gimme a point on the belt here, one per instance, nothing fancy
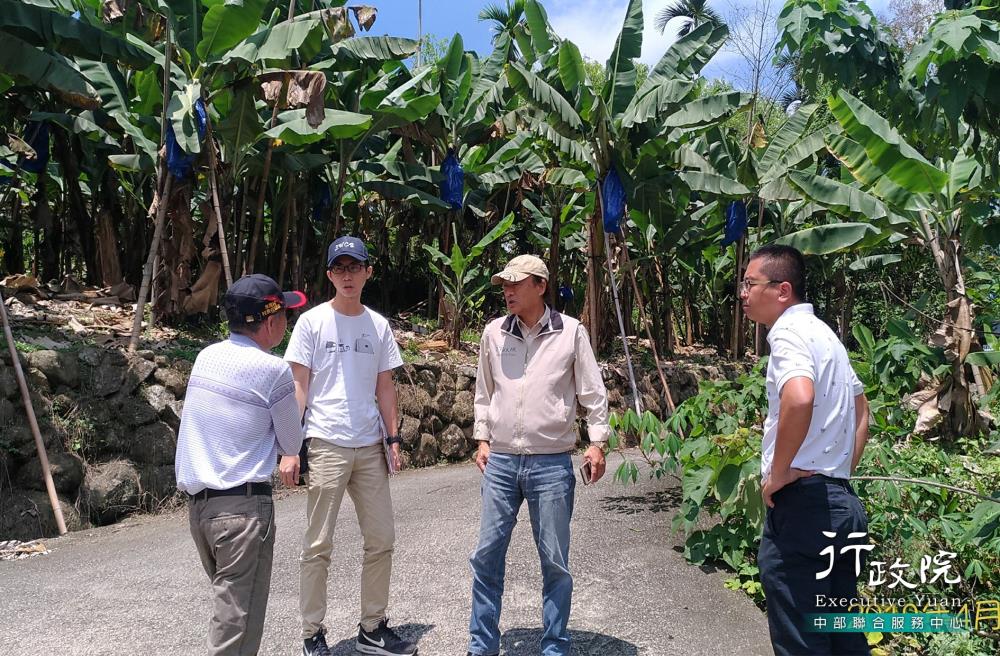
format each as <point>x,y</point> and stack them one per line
<point>247,489</point>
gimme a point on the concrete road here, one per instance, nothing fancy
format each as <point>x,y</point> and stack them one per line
<point>138,587</point>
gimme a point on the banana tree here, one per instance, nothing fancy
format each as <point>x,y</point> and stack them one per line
<point>942,206</point>
<point>41,42</point>
<point>463,279</point>
<point>936,194</point>
<point>472,93</point>
<point>386,91</point>
<point>626,127</point>
<point>55,60</point>
<point>321,85</point>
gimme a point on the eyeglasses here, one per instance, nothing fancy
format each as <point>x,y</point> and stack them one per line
<point>745,285</point>
<point>353,267</point>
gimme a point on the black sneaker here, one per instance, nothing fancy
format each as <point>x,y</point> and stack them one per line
<point>383,641</point>
<point>316,645</point>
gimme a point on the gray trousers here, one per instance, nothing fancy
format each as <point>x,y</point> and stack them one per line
<point>235,540</point>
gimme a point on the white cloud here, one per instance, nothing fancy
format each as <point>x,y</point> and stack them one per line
<point>593,25</point>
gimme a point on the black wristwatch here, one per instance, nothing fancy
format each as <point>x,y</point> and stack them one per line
<point>393,439</point>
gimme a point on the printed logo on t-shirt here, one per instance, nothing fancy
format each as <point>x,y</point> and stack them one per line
<point>362,344</point>
<point>506,350</point>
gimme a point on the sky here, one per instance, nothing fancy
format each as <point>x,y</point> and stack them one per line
<point>593,25</point>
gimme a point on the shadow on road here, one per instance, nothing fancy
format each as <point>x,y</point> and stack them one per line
<point>656,502</point>
<point>412,632</point>
<point>525,642</point>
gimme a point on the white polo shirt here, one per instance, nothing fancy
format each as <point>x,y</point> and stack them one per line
<point>802,345</point>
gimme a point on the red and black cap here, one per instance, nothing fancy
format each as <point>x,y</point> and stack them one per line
<point>254,298</point>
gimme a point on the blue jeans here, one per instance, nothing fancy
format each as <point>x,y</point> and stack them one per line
<point>547,483</point>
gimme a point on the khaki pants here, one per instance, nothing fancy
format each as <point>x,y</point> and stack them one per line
<point>235,539</point>
<point>363,475</point>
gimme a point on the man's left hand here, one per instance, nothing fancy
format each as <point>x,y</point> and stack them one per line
<point>595,456</point>
<point>397,458</point>
<point>777,480</point>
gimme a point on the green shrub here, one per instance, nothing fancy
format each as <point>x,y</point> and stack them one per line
<point>712,444</point>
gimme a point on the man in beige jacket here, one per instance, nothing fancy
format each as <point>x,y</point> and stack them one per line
<point>535,366</point>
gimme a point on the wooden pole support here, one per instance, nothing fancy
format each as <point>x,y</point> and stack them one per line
<point>147,274</point>
<point>212,165</point>
<point>50,486</point>
<point>645,324</point>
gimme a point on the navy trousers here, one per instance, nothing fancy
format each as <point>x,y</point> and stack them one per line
<point>794,550</point>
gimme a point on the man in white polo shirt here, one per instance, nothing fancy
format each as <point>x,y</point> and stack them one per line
<point>239,414</point>
<point>815,432</point>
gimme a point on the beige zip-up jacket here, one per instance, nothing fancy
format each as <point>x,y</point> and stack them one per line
<point>529,382</point>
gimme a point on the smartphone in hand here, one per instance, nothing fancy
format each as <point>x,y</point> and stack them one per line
<point>585,472</point>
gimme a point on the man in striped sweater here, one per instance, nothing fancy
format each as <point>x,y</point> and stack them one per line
<point>239,414</point>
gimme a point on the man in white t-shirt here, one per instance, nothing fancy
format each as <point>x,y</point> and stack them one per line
<point>342,355</point>
<point>815,529</point>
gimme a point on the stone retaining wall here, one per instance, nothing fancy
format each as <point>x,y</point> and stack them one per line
<point>109,423</point>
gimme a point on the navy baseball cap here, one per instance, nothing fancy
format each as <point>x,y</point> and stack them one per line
<point>350,246</point>
<point>254,298</point>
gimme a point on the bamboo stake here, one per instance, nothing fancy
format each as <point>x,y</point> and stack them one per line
<point>238,228</point>
<point>621,326</point>
<point>304,230</point>
<point>140,302</point>
<point>289,217</point>
<point>29,410</point>
<point>212,163</point>
<point>671,333</point>
<point>737,337</point>
<point>593,288</point>
<point>154,292</point>
<point>758,329</point>
<point>554,254</point>
<point>645,324</point>
<point>248,264</point>
<point>168,54</point>
<point>599,200</point>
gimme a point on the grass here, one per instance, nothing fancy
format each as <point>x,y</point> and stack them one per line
<point>410,352</point>
<point>430,325</point>
<point>185,349</point>
<point>78,427</point>
<point>472,335</point>
<point>25,347</point>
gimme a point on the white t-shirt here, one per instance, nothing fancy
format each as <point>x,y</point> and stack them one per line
<point>802,345</point>
<point>346,354</point>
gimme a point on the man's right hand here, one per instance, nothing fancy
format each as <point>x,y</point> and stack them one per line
<point>288,470</point>
<point>483,455</point>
